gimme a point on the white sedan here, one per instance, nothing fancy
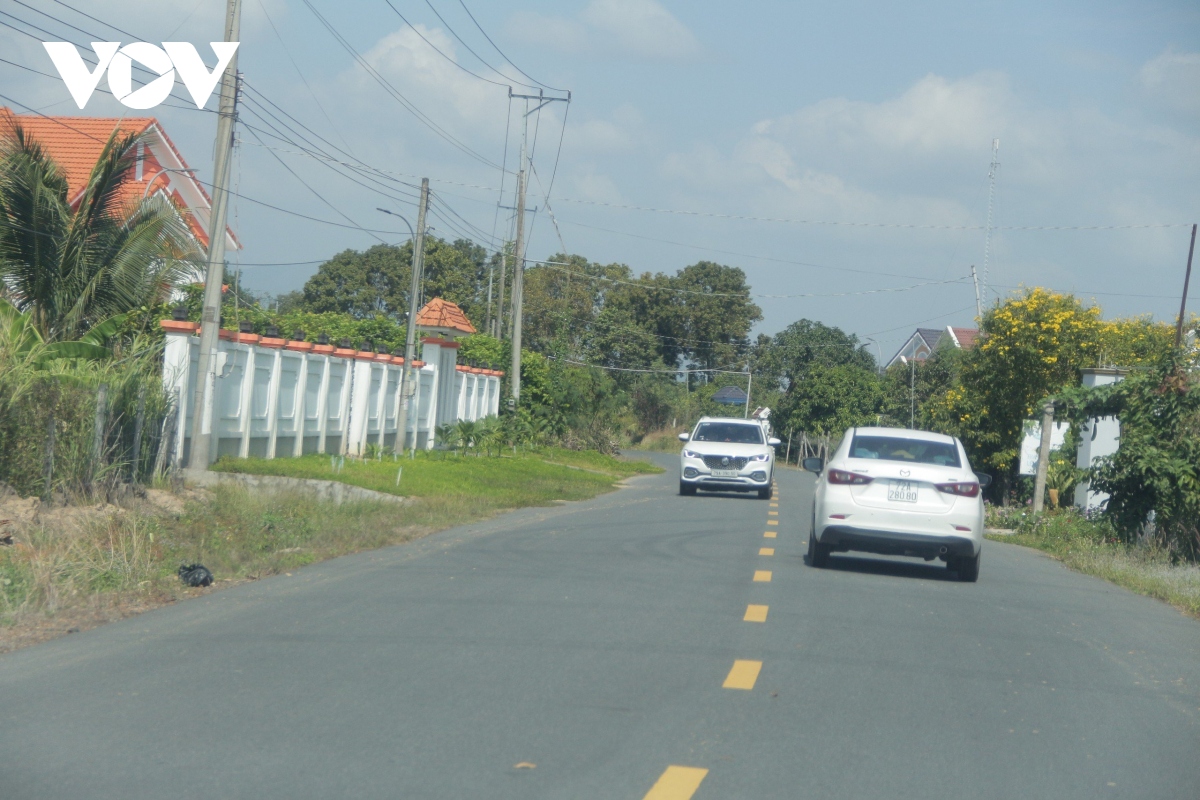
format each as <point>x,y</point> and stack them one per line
<point>898,492</point>
<point>727,454</point>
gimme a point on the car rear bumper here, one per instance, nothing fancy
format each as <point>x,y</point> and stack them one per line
<point>897,543</point>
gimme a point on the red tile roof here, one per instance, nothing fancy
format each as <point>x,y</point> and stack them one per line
<point>443,314</point>
<point>966,337</point>
<point>75,144</point>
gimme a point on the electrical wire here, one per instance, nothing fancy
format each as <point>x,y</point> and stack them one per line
<point>449,58</point>
<point>501,52</point>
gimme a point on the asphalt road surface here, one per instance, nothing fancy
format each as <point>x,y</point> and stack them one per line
<point>607,649</point>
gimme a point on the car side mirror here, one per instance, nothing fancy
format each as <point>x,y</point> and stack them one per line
<point>774,442</point>
<point>984,480</point>
<point>683,437</point>
<point>814,464</point>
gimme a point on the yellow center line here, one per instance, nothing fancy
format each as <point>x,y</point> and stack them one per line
<point>769,534</point>
<point>772,522</point>
<point>772,513</point>
<point>766,551</point>
<point>743,675</point>
<point>677,783</point>
<point>755,614</point>
<point>762,576</point>
<point>774,505</point>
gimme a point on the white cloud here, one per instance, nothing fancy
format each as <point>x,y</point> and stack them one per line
<point>1174,80</point>
<point>643,28</point>
<point>638,28</point>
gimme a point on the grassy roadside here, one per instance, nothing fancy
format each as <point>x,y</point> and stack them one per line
<point>1091,548</point>
<point>75,568</point>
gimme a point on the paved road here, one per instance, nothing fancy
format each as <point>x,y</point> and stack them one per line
<point>594,642</point>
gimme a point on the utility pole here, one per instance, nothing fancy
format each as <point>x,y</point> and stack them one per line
<point>518,286</point>
<point>204,392</point>
<point>410,338</point>
<point>987,238</point>
<point>1039,483</point>
<point>978,299</point>
<point>1187,277</point>
<point>498,332</point>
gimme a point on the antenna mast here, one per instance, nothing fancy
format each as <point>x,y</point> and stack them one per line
<point>987,239</point>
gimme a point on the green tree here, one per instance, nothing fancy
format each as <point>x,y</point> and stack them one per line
<point>922,381</point>
<point>830,399</point>
<point>713,321</point>
<point>786,359</point>
<point>73,266</point>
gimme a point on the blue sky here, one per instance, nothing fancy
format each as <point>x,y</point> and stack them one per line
<point>857,112</point>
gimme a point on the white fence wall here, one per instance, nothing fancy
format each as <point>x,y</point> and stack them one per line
<point>278,398</point>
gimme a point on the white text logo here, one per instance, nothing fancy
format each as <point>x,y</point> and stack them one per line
<point>172,57</point>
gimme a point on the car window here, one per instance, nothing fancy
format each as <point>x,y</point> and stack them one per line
<point>895,448</point>
<point>728,432</point>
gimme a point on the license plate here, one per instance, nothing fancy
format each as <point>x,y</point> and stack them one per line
<point>902,491</point>
<point>724,473</point>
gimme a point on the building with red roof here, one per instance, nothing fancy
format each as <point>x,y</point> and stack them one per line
<point>924,341</point>
<point>75,144</point>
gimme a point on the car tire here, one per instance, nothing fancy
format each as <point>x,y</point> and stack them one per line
<point>818,554</point>
<point>686,489</point>
<point>967,568</point>
<point>765,494</point>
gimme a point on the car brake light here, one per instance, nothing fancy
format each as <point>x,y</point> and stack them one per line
<point>841,476</point>
<point>960,489</point>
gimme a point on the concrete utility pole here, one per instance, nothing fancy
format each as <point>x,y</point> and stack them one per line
<point>1039,483</point>
<point>410,339</point>
<point>203,396</point>
<point>1187,277</point>
<point>518,285</point>
<point>498,331</point>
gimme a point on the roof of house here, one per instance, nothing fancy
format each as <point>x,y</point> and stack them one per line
<point>443,314</point>
<point>75,144</point>
<point>965,337</point>
<point>932,338</point>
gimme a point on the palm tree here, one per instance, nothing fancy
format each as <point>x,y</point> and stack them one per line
<point>70,267</point>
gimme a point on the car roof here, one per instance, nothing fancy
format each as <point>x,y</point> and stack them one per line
<point>738,420</point>
<point>905,433</point>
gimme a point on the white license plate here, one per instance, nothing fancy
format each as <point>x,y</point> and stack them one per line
<point>902,491</point>
<point>724,473</point>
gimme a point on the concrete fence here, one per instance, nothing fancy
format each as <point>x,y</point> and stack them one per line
<point>277,397</point>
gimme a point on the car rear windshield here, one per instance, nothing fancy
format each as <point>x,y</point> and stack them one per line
<point>728,432</point>
<point>895,448</point>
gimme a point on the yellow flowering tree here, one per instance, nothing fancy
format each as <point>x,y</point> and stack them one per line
<point>1033,346</point>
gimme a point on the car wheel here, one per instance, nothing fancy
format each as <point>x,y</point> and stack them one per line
<point>968,568</point>
<point>818,554</point>
<point>686,489</point>
<point>765,494</point>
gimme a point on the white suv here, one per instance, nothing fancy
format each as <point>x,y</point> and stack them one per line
<point>899,492</point>
<point>727,454</point>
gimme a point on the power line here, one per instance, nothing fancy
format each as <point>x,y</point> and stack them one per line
<point>438,50</point>
<point>747,217</point>
<point>395,93</point>
<point>501,52</point>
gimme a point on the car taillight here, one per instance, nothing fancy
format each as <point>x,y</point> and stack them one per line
<point>841,476</point>
<point>960,489</point>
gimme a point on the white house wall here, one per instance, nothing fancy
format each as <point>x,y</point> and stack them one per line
<point>273,402</point>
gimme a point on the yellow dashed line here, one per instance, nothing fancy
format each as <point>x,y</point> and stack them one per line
<point>677,783</point>
<point>772,522</point>
<point>755,614</point>
<point>774,505</point>
<point>769,534</point>
<point>766,551</point>
<point>743,675</point>
<point>762,576</point>
<point>772,513</point>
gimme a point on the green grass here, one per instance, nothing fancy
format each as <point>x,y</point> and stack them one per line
<point>492,483</point>
<point>110,565</point>
<point>1092,548</point>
